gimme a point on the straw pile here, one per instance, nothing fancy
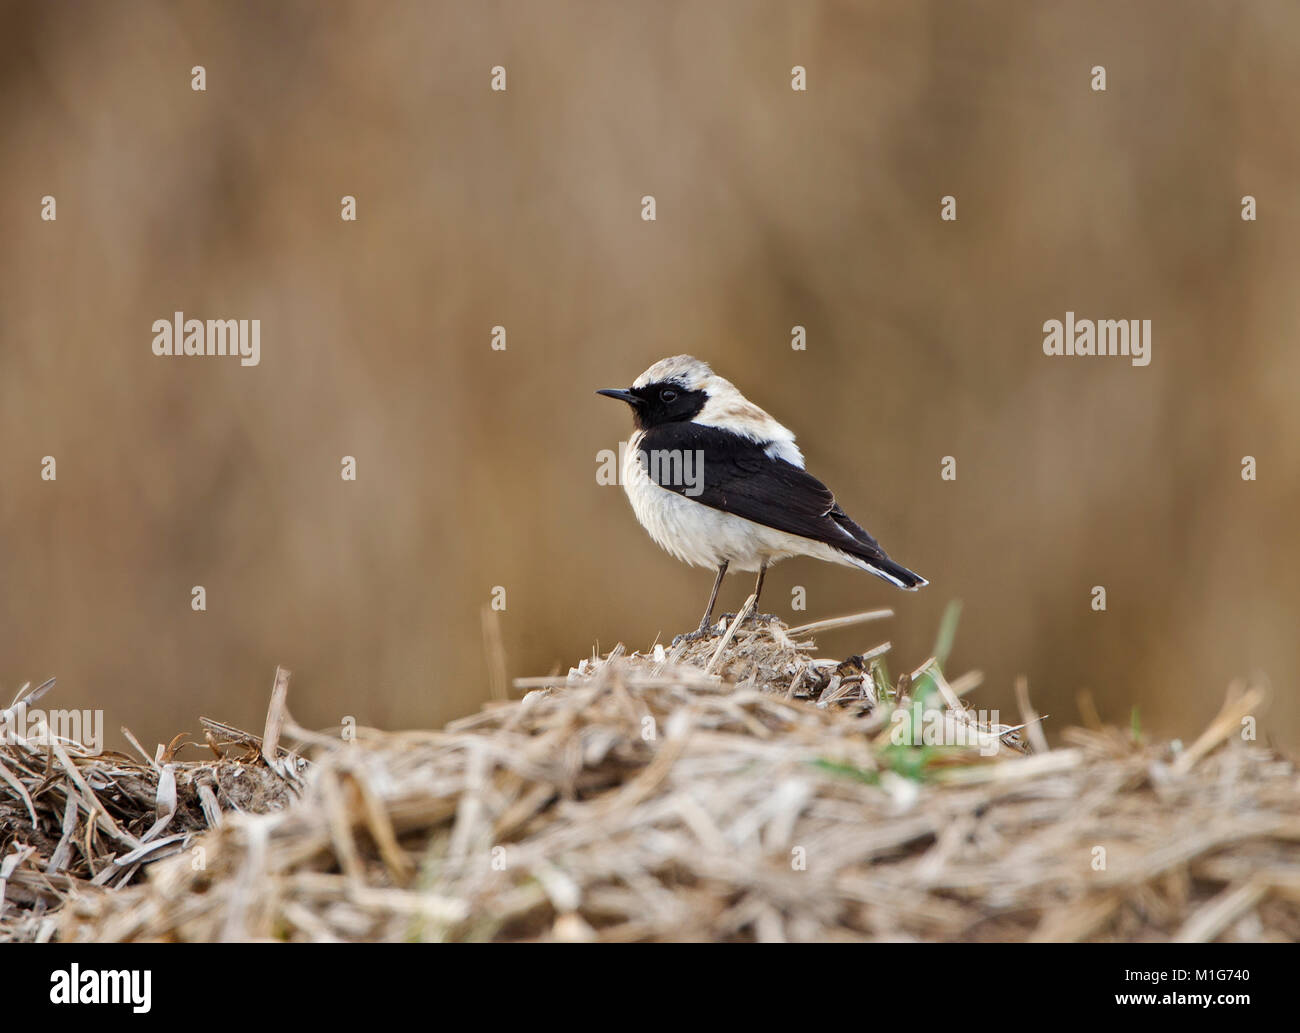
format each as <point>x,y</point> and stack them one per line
<point>733,790</point>
<point>72,820</point>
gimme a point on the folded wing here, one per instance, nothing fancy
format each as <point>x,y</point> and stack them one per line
<point>738,477</point>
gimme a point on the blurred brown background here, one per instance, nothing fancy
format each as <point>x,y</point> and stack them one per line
<point>477,468</point>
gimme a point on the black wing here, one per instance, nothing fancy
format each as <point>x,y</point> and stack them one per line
<point>738,477</point>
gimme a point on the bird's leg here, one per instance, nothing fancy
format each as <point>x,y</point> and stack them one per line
<point>713,596</point>
<point>708,614</point>
<point>758,617</point>
<point>758,585</point>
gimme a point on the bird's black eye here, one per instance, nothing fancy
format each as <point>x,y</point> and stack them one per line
<point>667,395</point>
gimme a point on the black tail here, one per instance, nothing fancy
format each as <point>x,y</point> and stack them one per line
<point>870,556</point>
<point>895,573</point>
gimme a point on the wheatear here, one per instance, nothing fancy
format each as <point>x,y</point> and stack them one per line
<point>719,483</point>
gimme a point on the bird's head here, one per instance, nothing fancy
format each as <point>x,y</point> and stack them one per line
<point>670,391</point>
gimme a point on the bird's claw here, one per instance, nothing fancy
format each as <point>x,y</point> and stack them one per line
<point>720,628</point>
<point>708,631</point>
<point>756,618</point>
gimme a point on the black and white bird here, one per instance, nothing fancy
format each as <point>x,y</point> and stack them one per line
<point>719,483</point>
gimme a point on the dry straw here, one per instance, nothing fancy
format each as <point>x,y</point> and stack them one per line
<point>690,793</point>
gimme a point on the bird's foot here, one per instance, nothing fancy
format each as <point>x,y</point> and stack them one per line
<point>720,628</point>
<point>703,632</point>
<point>753,618</point>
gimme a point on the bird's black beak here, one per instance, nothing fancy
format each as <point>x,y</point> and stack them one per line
<point>622,396</point>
